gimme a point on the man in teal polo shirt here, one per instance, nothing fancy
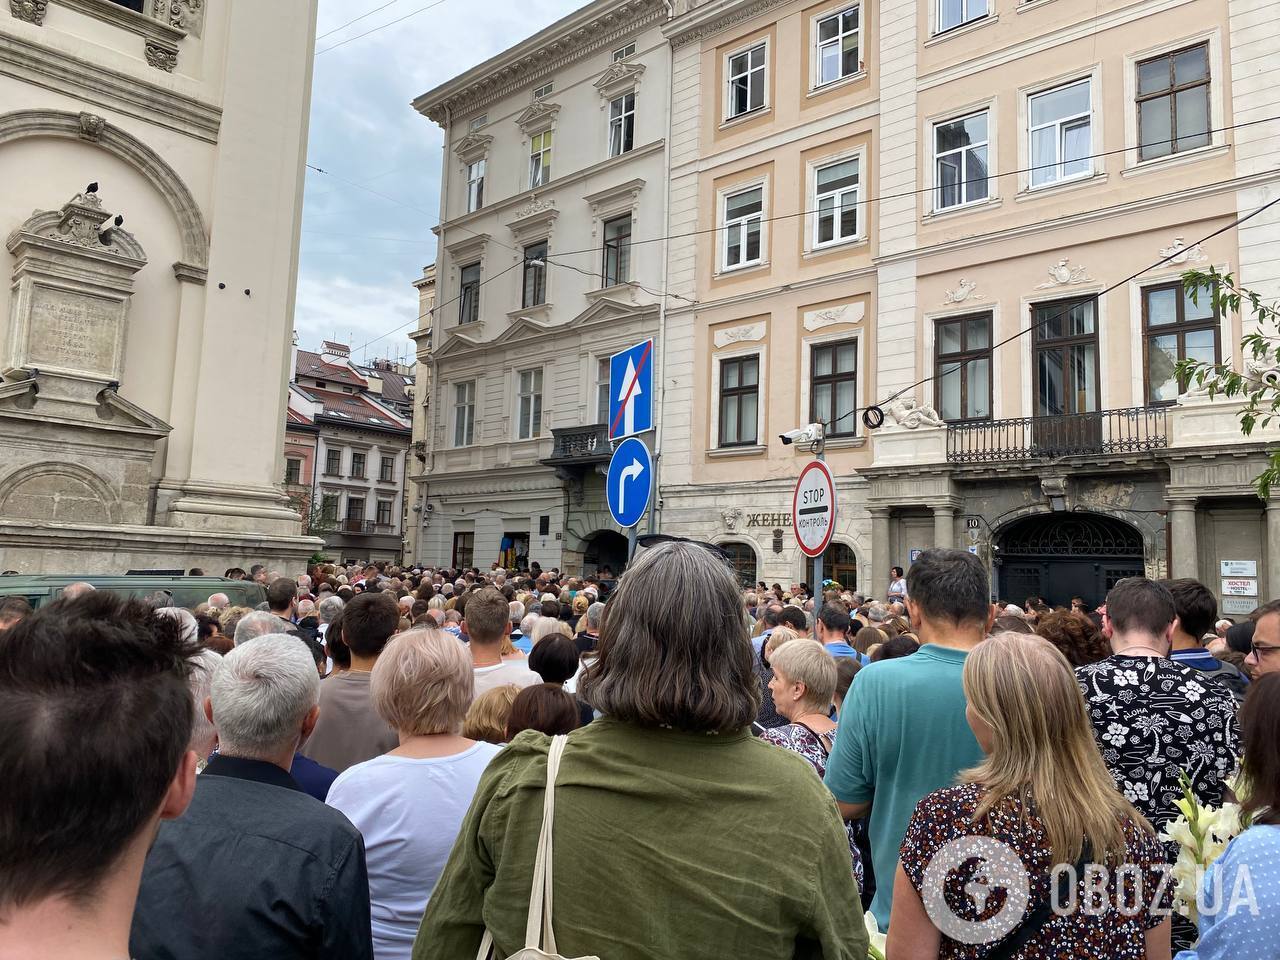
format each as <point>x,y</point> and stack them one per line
<point>903,732</point>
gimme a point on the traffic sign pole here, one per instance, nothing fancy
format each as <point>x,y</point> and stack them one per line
<point>814,502</point>
<point>817,561</point>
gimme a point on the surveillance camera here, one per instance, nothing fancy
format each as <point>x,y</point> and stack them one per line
<point>431,507</point>
<point>806,434</point>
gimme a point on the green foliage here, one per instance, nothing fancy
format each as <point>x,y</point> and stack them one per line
<point>1257,383</point>
<point>318,558</point>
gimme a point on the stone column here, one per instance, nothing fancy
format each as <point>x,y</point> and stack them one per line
<point>880,560</point>
<point>1184,558</point>
<point>1273,552</point>
<point>944,526</point>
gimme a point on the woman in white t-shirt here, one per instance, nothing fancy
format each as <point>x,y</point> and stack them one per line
<point>409,803</point>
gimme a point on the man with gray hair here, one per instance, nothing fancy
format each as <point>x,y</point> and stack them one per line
<point>258,624</point>
<point>78,589</point>
<point>204,736</point>
<point>590,635</point>
<point>219,601</point>
<point>252,845</point>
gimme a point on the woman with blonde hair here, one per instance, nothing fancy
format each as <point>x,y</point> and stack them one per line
<point>487,716</point>
<point>1043,792</point>
<point>777,638</point>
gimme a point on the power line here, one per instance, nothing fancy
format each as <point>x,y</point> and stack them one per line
<point>392,23</point>
<point>344,26</point>
<point>1088,298</point>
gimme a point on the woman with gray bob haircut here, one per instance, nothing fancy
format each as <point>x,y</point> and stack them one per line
<point>264,699</point>
<point>670,775</point>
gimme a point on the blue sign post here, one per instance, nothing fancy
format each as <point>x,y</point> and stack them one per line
<point>631,391</point>
<point>630,482</point>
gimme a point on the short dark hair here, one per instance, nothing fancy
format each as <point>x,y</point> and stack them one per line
<point>544,707</point>
<point>13,609</point>
<point>1137,603</point>
<point>487,615</point>
<point>835,617</point>
<point>846,669</point>
<point>256,569</point>
<point>770,615</point>
<point>195,572</point>
<point>793,617</point>
<point>94,702</point>
<point>551,608</point>
<point>1193,603</point>
<point>233,573</point>
<point>1260,731</point>
<point>554,658</point>
<point>950,585</point>
<point>368,622</point>
<point>895,647</point>
<point>281,592</point>
<point>897,571</point>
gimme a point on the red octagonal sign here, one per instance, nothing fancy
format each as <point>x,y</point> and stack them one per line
<point>813,508</point>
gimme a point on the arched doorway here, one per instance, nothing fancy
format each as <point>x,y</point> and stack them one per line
<point>605,548</point>
<point>743,558</point>
<point>1063,555</point>
<point>838,563</point>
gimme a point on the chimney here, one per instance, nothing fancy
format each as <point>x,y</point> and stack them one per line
<point>332,352</point>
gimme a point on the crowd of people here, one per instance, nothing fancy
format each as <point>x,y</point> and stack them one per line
<point>373,766</point>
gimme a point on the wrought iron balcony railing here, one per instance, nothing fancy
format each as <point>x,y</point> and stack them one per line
<point>585,444</point>
<point>1128,430</point>
<point>366,526</point>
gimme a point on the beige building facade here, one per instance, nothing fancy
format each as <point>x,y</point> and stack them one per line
<point>554,158</point>
<point>1012,159</point>
<point>149,298</point>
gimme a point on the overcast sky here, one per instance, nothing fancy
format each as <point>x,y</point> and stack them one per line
<point>361,252</point>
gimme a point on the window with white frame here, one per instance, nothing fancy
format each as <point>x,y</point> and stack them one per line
<point>838,45</point>
<point>540,159</point>
<point>960,161</point>
<point>835,202</point>
<point>616,267</point>
<point>543,91</point>
<point>956,13</point>
<point>1060,133</point>
<point>529,413</point>
<point>622,124</point>
<point>742,219</point>
<point>623,52</point>
<point>475,185</point>
<point>469,294</point>
<point>464,413</point>
<point>746,81</point>
<point>602,390</point>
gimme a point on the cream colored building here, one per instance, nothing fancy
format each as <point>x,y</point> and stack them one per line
<point>416,513</point>
<point>554,157</point>
<point>145,362</point>
<point>1061,457</point>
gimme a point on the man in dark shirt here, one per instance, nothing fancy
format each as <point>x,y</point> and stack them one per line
<point>256,869</point>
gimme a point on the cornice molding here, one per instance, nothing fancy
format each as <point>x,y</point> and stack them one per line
<point>539,57</point>
<point>700,20</point>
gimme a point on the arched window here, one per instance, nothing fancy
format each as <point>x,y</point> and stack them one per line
<point>838,563</point>
<point>743,558</point>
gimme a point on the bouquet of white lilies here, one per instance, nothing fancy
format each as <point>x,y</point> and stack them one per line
<point>876,949</point>
<point>1202,833</point>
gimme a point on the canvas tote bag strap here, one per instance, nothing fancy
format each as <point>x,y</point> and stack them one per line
<point>538,933</point>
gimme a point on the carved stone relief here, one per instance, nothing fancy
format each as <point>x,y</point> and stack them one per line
<point>1062,274</point>
<point>744,334</point>
<point>965,291</point>
<point>32,11</point>
<point>1179,253</point>
<point>830,316</point>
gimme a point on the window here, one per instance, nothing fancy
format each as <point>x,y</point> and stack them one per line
<point>1066,347</point>
<point>622,124</point>
<point>838,46</point>
<point>833,389</point>
<point>1060,133</point>
<point>1173,102</point>
<point>1176,329</point>
<point>355,508</point>
<point>384,513</point>
<point>835,202</point>
<point>357,464</point>
<point>739,401</point>
<point>617,251</point>
<point>540,159</point>
<point>478,122</point>
<point>743,214</point>
<point>329,507</point>
<point>529,414</point>
<point>387,470</point>
<point>464,545</point>
<point>469,294</point>
<point>623,52</point>
<point>962,367</point>
<point>333,462</point>
<point>960,161</point>
<point>543,91</point>
<point>746,81</point>
<point>464,413</point>
<point>475,185</point>
<point>954,13</point>
<point>743,560</point>
<point>602,390</point>
<point>292,470</point>
<point>535,275</point>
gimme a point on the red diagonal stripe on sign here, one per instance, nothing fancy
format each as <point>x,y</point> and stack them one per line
<point>622,408</point>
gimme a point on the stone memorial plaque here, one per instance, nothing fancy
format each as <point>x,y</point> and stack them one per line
<point>73,332</point>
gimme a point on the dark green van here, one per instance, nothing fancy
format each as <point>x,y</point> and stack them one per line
<point>187,592</point>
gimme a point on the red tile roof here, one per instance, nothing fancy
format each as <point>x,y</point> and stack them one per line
<point>313,365</point>
<point>357,410</point>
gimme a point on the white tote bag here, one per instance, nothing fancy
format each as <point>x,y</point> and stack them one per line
<point>539,938</point>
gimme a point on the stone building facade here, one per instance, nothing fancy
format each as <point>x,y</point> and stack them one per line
<point>162,150</point>
<point>554,157</point>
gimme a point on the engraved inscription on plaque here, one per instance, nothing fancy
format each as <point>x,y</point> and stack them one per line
<point>73,331</point>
